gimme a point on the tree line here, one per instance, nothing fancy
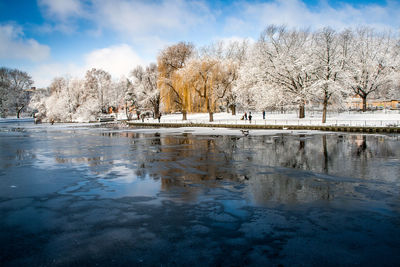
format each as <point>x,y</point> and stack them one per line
<point>298,67</point>
<point>285,68</point>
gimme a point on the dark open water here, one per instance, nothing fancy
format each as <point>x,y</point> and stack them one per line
<point>97,196</point>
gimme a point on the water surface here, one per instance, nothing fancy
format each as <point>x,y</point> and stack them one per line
<point>76,195</point>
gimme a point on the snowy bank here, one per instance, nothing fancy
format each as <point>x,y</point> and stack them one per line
<point>371,119</point>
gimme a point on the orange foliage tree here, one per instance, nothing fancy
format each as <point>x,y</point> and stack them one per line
<point>173,87</point>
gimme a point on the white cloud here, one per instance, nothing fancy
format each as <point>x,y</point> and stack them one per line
<point>118,60</point>
<point>64,14</point>
<point>61,9</point>
<point>131,20</point>
<point>144,16</point>
<point>13,45</point>
<point>43,74</point>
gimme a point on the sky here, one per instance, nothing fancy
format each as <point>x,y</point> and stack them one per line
<point>49,38</point>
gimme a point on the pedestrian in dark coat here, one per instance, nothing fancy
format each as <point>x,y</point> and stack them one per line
<point>263,114</point>
<point>250,117</point>
<point>245,116</point>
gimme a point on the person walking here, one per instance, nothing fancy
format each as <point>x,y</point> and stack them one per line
<point>159,117</point>
<point>245,116</point>
<point>263,114</point>
<point>250,117</point>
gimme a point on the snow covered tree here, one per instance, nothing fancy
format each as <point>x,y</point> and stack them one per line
<point>58,106</point>
<point>129,97</point>
<point>117,93</point>
<point>330,56</point>
<point>37,102</point>
<point>65,100</point>
<point>98,85</point>
<point>173,91</point>
<point>279,70</point>
<point>4,89</point>
<point>145,84</point>
<point>13,90</point>
<point>373,63</point>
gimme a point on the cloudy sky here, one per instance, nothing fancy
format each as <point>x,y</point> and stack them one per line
<point>49,38</point>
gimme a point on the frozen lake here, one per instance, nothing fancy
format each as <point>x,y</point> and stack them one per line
<point>80,195</point>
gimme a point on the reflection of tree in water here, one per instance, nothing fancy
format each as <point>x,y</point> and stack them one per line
<point>326,156</point>
<point>289,188</point>
<point>270,182</point>
<point>331,154</point>
<point>276,168</point>
<point>361,150</point>
<point>21,154</point>
<point>186,159</point>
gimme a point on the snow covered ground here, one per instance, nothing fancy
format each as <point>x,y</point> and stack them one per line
<point>376,118</point>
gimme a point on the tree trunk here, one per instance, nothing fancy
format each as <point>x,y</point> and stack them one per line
<point>233,109</point>
<point>302,111</point>
<point>126,112</point>
<point>156,109</point>
<point>324,110</point>
<point>210,113</point>
<point>184,115</point>
<point>19,111</point>
<point>364,107</point>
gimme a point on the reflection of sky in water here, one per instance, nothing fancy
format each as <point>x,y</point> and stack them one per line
<point>112,188</point>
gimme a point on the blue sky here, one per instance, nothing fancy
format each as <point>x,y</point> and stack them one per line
<point>49,38</point>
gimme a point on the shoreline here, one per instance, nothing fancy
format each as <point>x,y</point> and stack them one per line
<point>325,128</point>
<point>355,129</point>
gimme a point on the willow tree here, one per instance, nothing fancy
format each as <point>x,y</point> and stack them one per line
<point>210,80</point>
<point>232,54</point>
<point>173,88</point>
